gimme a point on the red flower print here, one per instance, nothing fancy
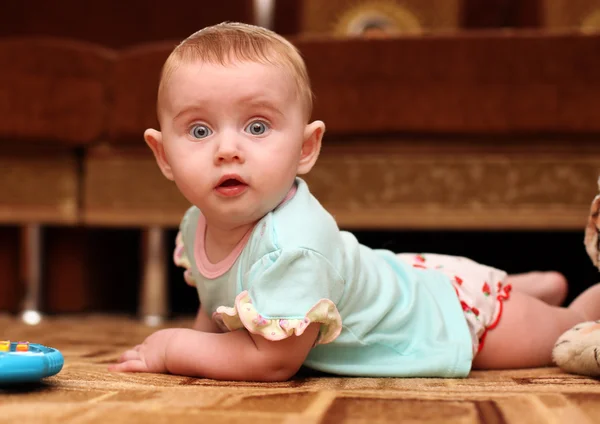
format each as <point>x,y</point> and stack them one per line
<point>420,258</point>
<point>458,280</point>
<point>475,311</point>
<point>419,266</point>
<point>464,305</point>
<point>505,292</point>
<point>486,289</point>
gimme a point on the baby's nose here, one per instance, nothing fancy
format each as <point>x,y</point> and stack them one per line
<point>227,151</point>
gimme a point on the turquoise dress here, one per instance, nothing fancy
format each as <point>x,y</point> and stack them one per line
<point>378,315</point>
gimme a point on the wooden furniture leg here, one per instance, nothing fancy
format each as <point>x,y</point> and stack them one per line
<point>153,299</point>
<point>264,13</point>
<point>31,273</point>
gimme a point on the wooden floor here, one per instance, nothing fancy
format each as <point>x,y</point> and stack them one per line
<point>85,392</point>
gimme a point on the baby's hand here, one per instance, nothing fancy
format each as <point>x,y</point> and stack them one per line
<point>146,357</point>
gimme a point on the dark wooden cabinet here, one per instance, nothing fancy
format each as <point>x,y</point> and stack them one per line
<point>475,131</point>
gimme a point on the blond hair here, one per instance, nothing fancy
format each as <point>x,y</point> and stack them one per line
<point>229,41</point>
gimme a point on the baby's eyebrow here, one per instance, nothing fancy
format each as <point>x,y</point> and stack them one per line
<point>262,104</point>
<point>189,110</point>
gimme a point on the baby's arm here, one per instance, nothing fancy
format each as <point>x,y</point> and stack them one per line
<point>204,323</point>
<point>237,355</point>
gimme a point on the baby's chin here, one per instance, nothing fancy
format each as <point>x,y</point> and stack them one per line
<point>248,211</point>
<point>233,218</point>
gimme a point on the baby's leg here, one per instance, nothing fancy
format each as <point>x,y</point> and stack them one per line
<point>588,303</point>
<point>529,328</point>
<point>551,287</point>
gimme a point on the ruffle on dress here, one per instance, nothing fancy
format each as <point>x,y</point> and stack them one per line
<point>244,315</point>
<point>180,258</point>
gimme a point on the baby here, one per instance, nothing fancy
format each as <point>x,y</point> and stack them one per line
<point>280,286</point>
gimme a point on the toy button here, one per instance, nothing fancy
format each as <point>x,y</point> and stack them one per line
<point>22,347</point>
<point>4,345</point>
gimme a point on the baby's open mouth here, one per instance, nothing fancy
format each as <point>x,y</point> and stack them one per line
<point>231,186</point>
<point>231,182</point>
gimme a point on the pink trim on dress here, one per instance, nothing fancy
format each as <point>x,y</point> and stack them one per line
<point>288,196</point>
<point>205,266</point>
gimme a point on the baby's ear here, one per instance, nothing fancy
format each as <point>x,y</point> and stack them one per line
<point>154,140</point>
<point>311,147</point>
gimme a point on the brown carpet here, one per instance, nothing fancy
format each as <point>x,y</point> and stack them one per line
<point>84,392</point>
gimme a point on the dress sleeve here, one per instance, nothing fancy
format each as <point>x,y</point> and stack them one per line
<point>180,255</point>
<point>287,291</point>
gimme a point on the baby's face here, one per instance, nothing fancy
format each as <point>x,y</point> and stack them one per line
<point>233,137</point>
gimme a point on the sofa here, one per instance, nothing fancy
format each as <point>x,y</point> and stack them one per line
<point>493,130</point>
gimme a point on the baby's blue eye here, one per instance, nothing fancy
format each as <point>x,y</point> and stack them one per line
<point>200,131</point>
<point>257,128</point>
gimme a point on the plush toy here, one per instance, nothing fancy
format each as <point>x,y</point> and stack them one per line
<point>578,349</point>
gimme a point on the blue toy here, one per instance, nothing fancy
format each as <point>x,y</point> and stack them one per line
<point>24,362</point>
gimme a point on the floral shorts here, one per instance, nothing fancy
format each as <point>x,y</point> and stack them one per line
<point>480,289</point>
